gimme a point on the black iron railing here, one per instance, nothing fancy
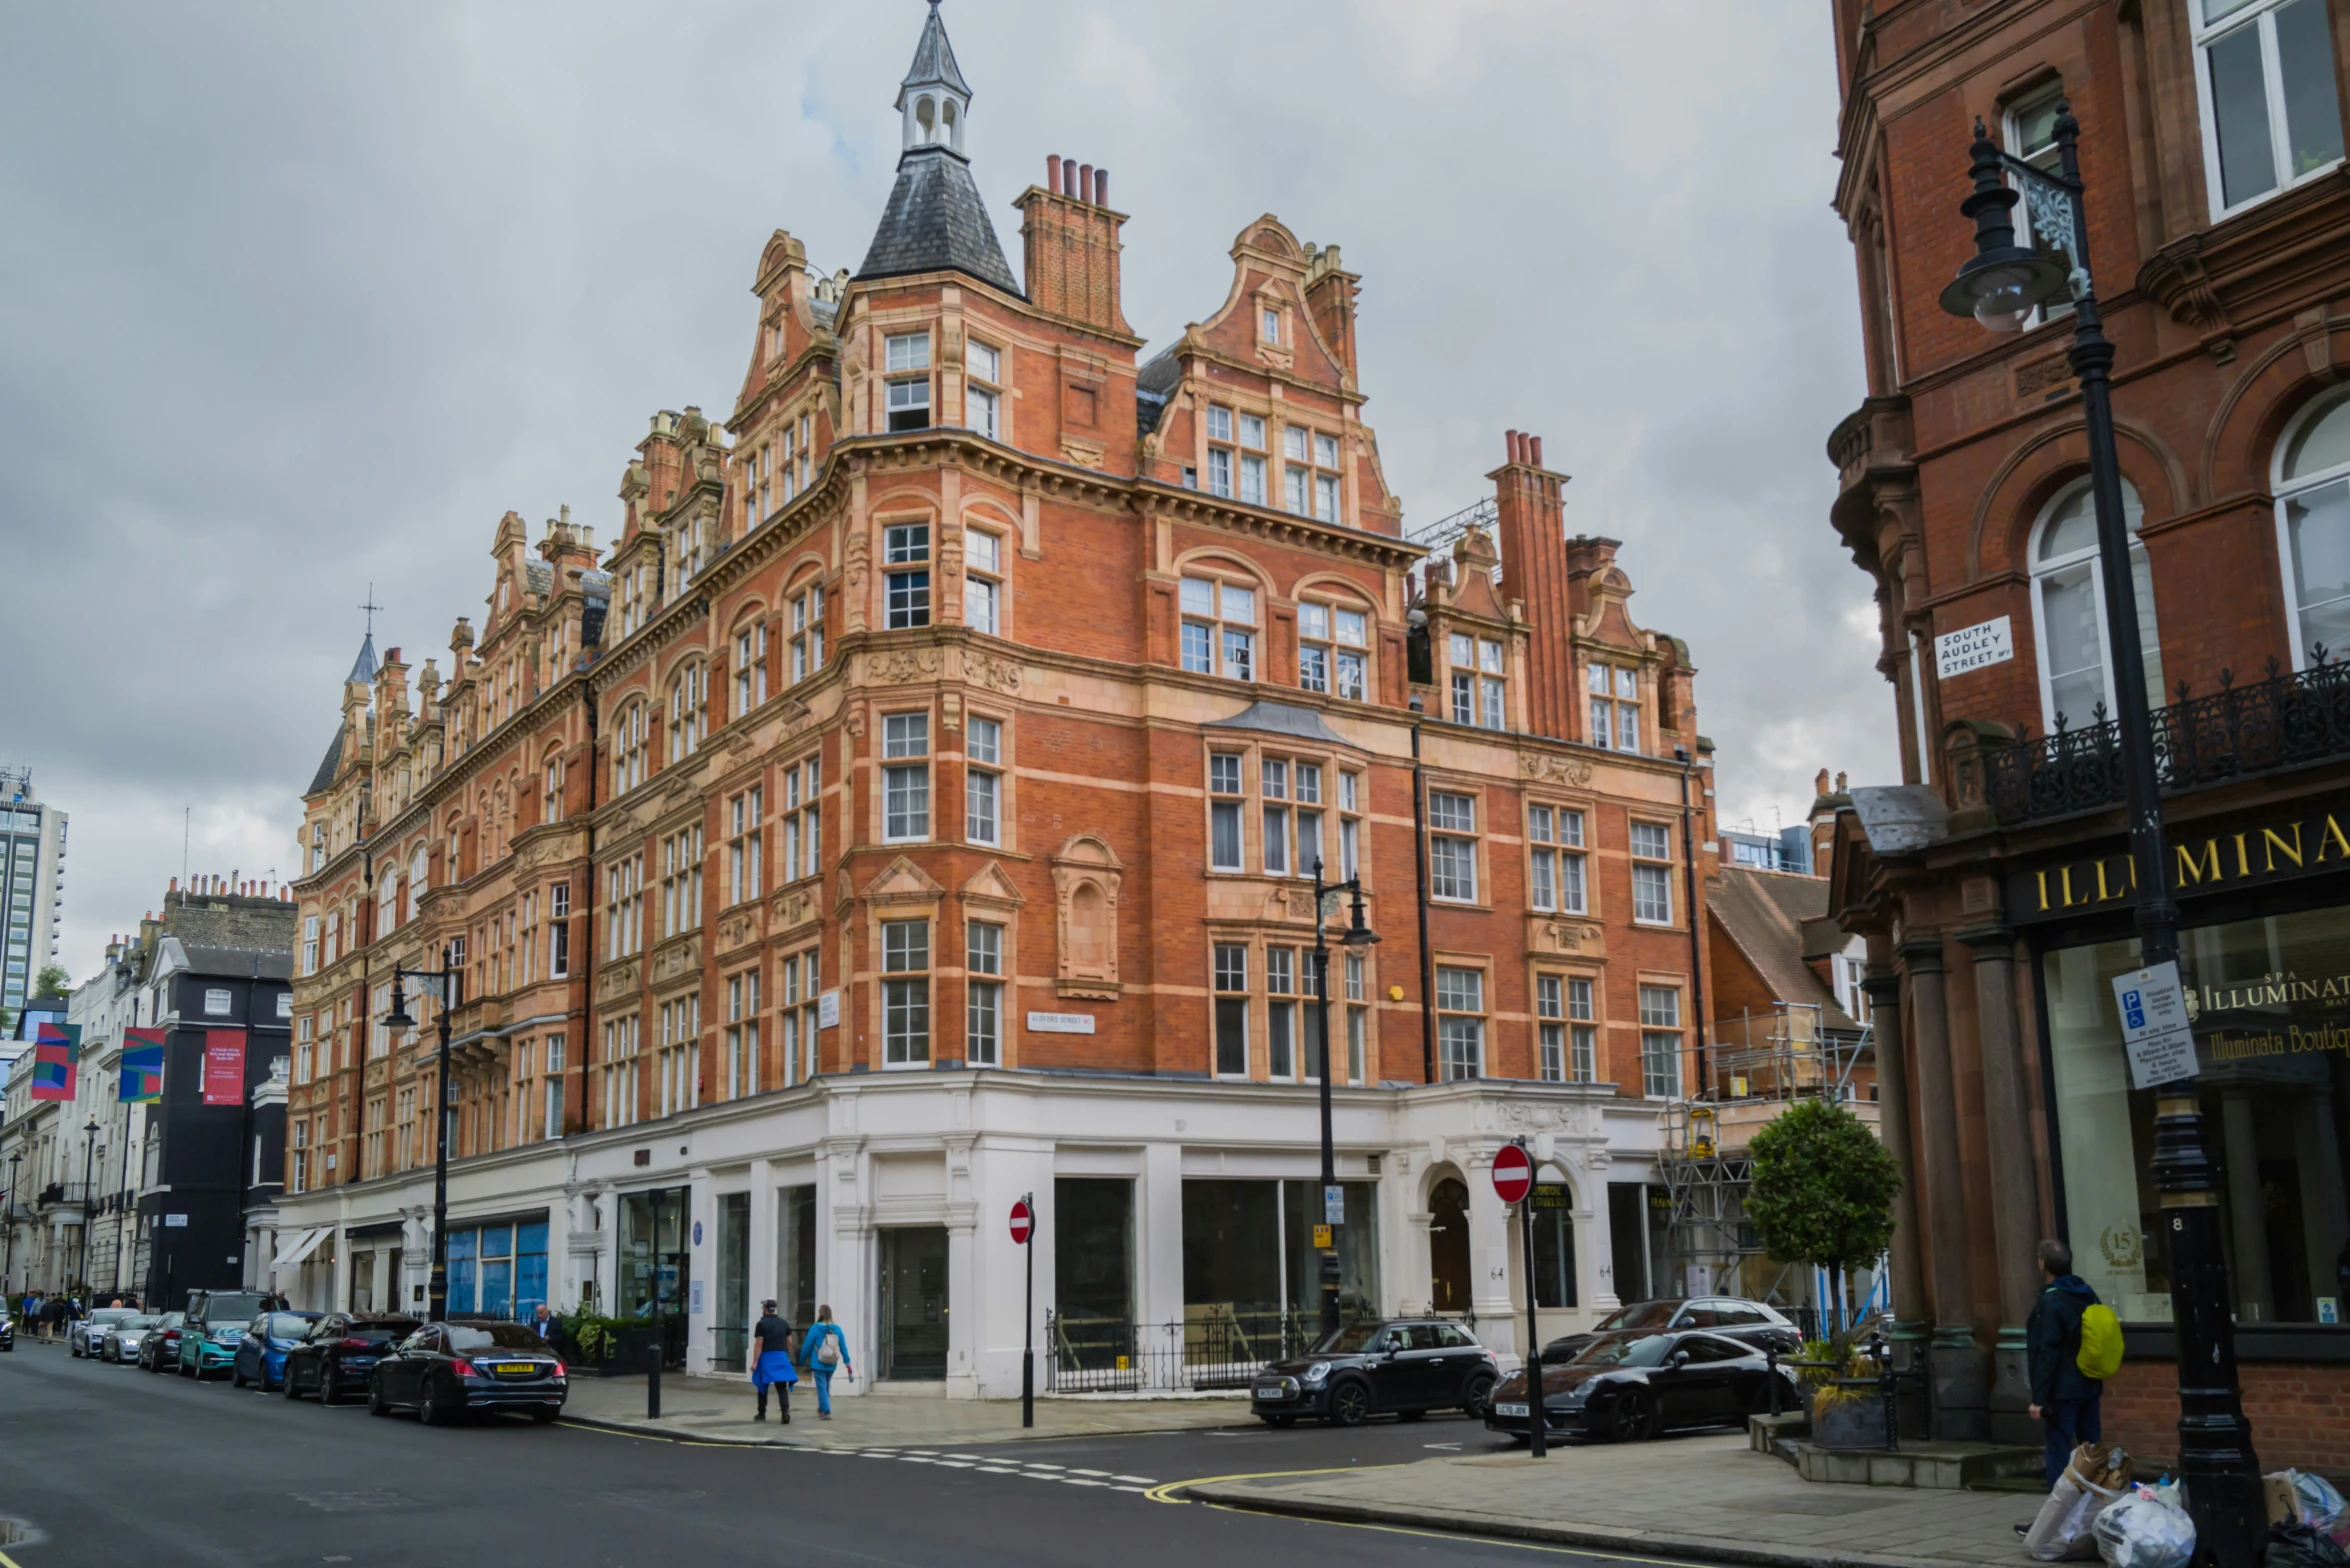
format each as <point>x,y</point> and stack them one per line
<point>2236,732</point>
<point>1213,1348</point>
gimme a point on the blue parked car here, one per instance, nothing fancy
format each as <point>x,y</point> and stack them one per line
<point>261,1359</point>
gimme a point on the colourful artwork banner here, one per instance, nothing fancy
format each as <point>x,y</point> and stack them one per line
<point>56,1048</point>
<point>224,1067</point>
<point>141,1082</point>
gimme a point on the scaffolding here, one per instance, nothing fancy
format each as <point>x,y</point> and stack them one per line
<point>1759,1064</point>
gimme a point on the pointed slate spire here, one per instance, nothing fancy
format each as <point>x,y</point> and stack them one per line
<point>935,220</point>
<point>934,61</point>
<point>363,667</point>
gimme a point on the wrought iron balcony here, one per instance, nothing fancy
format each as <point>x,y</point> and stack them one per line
<point>2285,721</point>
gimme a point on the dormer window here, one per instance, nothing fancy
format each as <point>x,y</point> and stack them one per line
<point>1269,324</point>
<point>1615,707</point>
<point>1309,472</point>
<point>1219,456</point>
<point>907,363</point>
<point>983,395</point>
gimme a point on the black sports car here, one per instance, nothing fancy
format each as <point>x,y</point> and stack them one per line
<point>1408,1367</point>
<point>1628,1387</point>
<point>339,1352</point>
<point>446,1369</point>
<point>1756,1322</point>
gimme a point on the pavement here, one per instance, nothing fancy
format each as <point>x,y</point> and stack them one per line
<point>1709,1497</point>
<point>719,1410</point>
<point>102,1466</point>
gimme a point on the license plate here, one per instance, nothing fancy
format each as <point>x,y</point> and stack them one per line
<point>1268,1391</point>
<point>524,1367</point>
<point>1509,1410</point>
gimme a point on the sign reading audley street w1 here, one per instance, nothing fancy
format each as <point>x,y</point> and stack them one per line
<point>2201,861</point>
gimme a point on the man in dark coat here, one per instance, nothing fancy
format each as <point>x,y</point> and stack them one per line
<point>2064,1398</point>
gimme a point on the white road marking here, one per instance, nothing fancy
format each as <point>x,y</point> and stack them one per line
<point>1070,1480</point>
<point>1089,1472</point>
<point>952,1464</point>
<point>1140,1480</point>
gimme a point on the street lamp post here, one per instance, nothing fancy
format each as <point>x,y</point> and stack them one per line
<point>1358,935</point>
<point>8,1255</point>
<point>89,1166</point>
<point>451,980</point>
<point>2000,286</point>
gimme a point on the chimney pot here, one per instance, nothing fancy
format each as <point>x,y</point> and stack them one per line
<point>1068,176</point>
<point>1536,458</point>
<point>1509,440</point>
<point>1052,172</point>
<point>1101,187</point>
<point>1085,182</point>
<point>175,881</point>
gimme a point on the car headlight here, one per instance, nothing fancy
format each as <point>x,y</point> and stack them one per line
<point>1315,1374</point>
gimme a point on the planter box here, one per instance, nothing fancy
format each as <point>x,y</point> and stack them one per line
<point>1857,1422</point>
<point>631,1352</point>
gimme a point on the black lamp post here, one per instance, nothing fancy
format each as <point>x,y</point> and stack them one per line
<point>89,1205</point>
<point>2000,287</point>
<point>451,980</point>
<point>8,1248</point>
<point>1358,935</point>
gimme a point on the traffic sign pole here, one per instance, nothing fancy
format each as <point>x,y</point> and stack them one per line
<point>1024,1234</point>
<point>1513,1182</point>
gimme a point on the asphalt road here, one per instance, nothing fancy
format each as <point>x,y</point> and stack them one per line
<point>109,1465</point>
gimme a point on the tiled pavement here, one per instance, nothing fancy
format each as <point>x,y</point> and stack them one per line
<point>1710,1497</point>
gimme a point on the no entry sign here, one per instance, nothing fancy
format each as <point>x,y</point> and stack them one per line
<point>1022,1223</point>
<point>1513,1173</point>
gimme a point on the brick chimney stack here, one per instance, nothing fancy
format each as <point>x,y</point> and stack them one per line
<point>1070,239</point>
<point>1330,295</point>
<point>1533,532</point>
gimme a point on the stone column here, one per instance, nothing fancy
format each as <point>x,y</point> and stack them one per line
<point>1883,989</point>
<point>1961,1397</point>
<point>2015,1188</point>
<point>2255,1286</point>
<point>1489,1256</point>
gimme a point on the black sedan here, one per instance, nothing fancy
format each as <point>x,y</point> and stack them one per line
<point>444,1370</point>
<point>339,1352</point>
<point>1409,1368</point>
<point>1629,1387</point>
<point>1756,1322</point>
<point>7,1330</point>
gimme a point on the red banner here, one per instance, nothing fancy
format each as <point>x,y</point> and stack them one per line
<point>224,1067</point>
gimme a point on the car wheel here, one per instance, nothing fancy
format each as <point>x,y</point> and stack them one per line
<point>329,1390</point>
<point>1477,1397</point>
<point>375,1401</point>
<point>1280,1423</point>
<point>1350,1403</point>
<point>1632,1418</point>
<point>236,1375</point>
<point>288,1385</point>
<point>438,1408</point>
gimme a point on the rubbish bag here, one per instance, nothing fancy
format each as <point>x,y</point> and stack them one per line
<point>2302,1546</point>
<point>2144,1531</point>
<point>2064,1527</point>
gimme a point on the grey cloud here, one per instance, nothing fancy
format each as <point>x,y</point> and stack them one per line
<point>296,298</point>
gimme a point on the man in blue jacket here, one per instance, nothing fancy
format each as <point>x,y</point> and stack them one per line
<point>2064,1398</point>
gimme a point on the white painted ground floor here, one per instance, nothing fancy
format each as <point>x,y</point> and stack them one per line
<point>1175,1220</point>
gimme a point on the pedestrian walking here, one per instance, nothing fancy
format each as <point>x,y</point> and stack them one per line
<point>54,1312</point>
<point>2075,1343</point>
<point>823,1352</point>
<point>771,1347</point>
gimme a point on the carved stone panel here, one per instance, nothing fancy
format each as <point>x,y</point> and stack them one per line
<point>792,908</point>
<point>738,928</point>
<point>1566,935</point>
<point>619,981</point>
<point>678,962</point>
<point>1550,768</point>
<point>1086,876</point>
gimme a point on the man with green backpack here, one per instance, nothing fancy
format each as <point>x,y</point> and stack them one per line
<point>2076,1344</point>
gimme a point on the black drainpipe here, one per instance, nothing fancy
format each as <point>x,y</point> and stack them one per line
<point>583,959</point>
<point>1705,1082</point>
<point>1427,954</point>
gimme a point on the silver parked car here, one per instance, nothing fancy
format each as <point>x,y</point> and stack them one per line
<point>120,1342</point>
<point>82,1339</point>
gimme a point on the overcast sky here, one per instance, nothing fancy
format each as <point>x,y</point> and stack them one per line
<point>296,298</point>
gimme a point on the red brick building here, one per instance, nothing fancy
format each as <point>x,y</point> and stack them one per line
<point>1991,880</point>
<point>917,807</point>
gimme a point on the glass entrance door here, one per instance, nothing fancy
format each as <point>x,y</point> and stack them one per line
<point>914,1303</point>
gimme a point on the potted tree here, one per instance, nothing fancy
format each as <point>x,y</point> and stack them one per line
<point>1822,1193</point>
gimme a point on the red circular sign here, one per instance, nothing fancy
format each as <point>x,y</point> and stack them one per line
<point>1022,1223</point>
<point>1513,1173</point>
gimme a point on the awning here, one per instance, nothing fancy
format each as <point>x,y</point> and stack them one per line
<point>293,1252</point>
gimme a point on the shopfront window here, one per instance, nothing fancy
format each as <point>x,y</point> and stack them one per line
<point>2270,999</point>
<point>498,1271</point>
<point>1249,1255</point>
<point>648,1255</point>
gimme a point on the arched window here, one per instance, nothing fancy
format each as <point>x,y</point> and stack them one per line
<point>2068,608</point>
<point>2313,528</point>
<point>419,874</point>
<point>628,749</point>
<point>685,712</point>
<point>387,915</point>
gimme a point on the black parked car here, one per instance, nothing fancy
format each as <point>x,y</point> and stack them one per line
<point>1409,1367</point>
<point>1752,1321</point>
<point>1628,1387</point>
<point>445,1369</point>
<point>7,1329</point>
<point>340,1351</point>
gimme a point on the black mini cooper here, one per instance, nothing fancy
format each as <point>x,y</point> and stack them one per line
<point>1409,1366</point>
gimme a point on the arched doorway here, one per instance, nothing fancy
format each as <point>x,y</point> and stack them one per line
<point>1448,1246</point>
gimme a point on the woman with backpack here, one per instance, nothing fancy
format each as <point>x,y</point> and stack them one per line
<point>2075,1344</point>
<point>824,1351</point>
